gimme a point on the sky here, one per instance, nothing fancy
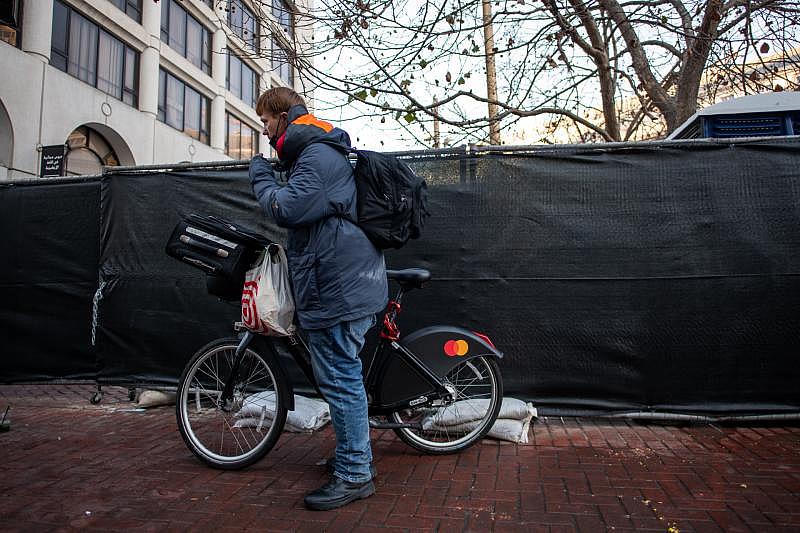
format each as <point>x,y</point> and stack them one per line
<point>385,133</point>
<point>368,132</point>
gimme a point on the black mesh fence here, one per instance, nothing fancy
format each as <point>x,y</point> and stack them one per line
<point>650,276</point>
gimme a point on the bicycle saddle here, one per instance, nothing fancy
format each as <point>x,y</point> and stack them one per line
<point>409,277</point>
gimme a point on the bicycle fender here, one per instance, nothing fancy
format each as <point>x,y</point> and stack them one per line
<point>443,347</point>
<point>440,348</point>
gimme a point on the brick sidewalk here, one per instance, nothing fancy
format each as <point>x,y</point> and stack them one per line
<point>69,465</point>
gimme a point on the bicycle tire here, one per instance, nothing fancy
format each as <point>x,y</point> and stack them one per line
<point>237,435</point>
<point>437,438</point>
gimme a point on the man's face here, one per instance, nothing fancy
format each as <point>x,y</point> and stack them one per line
<point>274,124</point>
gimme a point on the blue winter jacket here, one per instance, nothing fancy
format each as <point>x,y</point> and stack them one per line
<point>337,274</point>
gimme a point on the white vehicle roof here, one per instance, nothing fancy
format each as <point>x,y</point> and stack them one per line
<point>754,103</point>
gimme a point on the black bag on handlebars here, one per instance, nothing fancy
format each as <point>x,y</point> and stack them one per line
<point>221,249</point>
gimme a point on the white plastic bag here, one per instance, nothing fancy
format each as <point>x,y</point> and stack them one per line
<point>267,302</point>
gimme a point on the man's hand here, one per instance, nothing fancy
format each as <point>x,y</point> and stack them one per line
<point>260,169</point>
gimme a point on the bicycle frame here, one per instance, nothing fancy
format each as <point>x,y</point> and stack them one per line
<point>387,349</point>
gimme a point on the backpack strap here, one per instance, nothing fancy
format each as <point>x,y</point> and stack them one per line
<point>345,151</point>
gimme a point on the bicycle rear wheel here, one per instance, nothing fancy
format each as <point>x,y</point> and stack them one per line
<point>477,388</point>
<point>237,433</point>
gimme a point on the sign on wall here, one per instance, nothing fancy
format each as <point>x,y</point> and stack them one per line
<point>53,160</point>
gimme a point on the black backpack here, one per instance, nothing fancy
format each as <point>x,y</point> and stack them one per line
<point>391,200</point>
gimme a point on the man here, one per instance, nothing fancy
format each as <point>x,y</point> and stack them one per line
<point>338,276</point>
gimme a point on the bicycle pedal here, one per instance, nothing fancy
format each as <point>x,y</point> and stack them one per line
<point>375,422</point>
<point>239,326</point>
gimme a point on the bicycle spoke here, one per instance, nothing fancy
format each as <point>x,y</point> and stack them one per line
<point>198,400</point>
<point>233,434</point>
<point>255,374</point>
<point>461,422</point>
<point>213,376</point>
<point>237,431</point>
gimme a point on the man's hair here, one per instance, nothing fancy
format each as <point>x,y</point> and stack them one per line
<point>277,100</point>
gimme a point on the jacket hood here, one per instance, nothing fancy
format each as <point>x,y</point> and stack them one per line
<point>304,129</point>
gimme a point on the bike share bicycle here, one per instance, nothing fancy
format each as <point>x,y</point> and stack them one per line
<point>439,388</point>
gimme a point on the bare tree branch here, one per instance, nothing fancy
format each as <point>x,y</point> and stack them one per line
<point>607,69</point>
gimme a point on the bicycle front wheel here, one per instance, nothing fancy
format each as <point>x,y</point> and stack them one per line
<point>477,389</point>
<point>235,433</point>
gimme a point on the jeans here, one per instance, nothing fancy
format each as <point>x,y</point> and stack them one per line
<point>337,369</point>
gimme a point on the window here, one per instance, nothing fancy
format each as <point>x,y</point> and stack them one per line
<point>234,75</point>
<point>132,8</point>
<point>193,113</point>
<point>241,141</point>
<point>58,43</point>
<point>174,102</point>
<point>130,78</point>
<point>80,48</point>
<point>184,34</point>
<point>109,73</point>
<point>176,27</point>
<point>242,80</point>
<point>243,23</point>
<point>182,107</point>
<point>280,63</point>
<point>10,23</point>
<point>196,42</point>
<point>283,14</point>
<point>82,52</point>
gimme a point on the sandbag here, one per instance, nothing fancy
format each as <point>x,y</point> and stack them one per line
<point>512,424</point>
<point>468,410</point>
<point>309,414</point>
<point>155,398</point>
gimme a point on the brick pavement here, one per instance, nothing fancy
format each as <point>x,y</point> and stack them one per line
<point>68,465</point>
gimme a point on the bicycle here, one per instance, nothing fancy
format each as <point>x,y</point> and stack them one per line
<point>439,388</point>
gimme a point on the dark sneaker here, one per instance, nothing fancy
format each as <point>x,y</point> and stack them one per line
<point>336,493</point>
<point>329,467</point>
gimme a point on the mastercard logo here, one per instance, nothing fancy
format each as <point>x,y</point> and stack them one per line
<point>456,348</point>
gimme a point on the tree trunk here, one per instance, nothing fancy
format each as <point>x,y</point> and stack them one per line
<point>596,48</point>
<point>491,73</point>
<point>657,94</point>
<point>694,63</point>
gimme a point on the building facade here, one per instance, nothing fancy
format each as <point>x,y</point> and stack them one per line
<point>136,82</point>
